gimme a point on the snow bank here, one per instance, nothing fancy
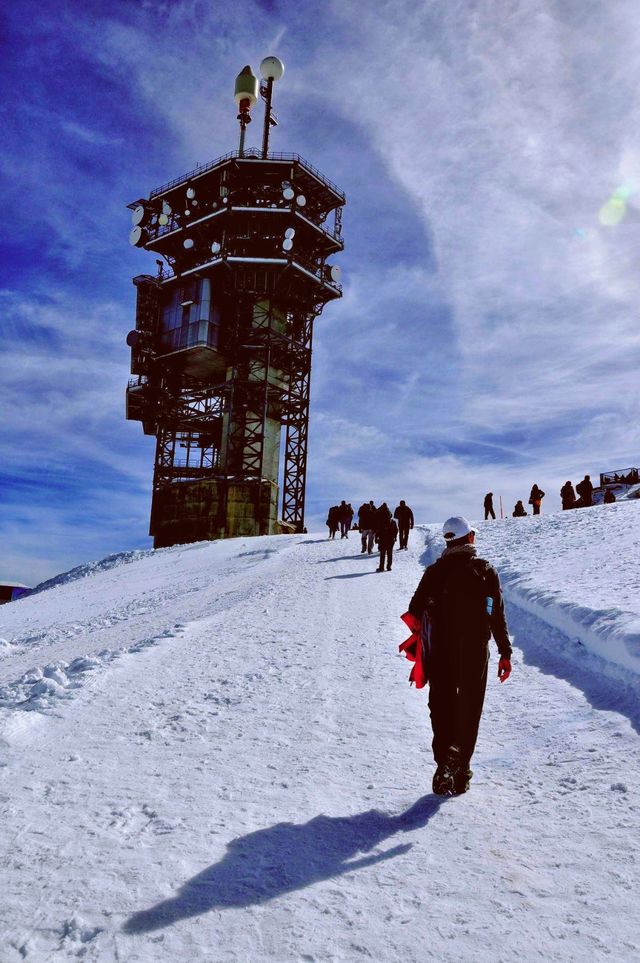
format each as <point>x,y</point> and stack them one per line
<point>577,571</point>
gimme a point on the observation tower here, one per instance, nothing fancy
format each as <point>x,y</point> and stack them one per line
<point>221,350</point>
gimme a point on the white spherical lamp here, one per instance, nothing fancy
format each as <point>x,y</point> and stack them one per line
<point>271,68</point>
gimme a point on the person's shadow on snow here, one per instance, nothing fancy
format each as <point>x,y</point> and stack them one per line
<point>271,862</point>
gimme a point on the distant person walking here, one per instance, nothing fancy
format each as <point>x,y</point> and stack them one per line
<point>345,515</point>
<point>519,511</point>
<point>535,499</point>
<point>568,496</point>
<point>333,520</point>
<point>383,514</point>
<point>387,535</point>
<point>404,517</point>
<point>366,523</point>
<point>585,491</point>
<point>488,506</point>
<point>459,604</point>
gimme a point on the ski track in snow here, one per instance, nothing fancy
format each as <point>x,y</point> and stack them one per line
<point>221,760</point>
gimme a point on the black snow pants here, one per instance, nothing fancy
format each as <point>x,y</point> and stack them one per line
<point>386,552</point>
<point>489,511</point>
<point>456,698</point>
<point>403,534</point>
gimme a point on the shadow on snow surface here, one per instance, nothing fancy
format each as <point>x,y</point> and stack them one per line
<point>270,862</point>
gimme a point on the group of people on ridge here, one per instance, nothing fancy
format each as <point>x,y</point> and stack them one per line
<point>584,496</point>
<point>535,499</point>
<point>376,526</point>
<point>580,497</point>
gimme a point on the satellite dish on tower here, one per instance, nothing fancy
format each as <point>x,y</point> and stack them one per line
<point>191,193</point>
<point>136,238</point>
<point>138,215</point>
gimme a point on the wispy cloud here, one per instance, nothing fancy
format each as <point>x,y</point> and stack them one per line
<point>487,337</point>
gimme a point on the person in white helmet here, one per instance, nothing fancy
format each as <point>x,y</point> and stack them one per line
<point>459,602</point>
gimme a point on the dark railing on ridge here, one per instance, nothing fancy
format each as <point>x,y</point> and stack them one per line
<point>251,152</point>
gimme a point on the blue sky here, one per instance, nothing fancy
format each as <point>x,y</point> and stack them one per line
<point>488,333</point>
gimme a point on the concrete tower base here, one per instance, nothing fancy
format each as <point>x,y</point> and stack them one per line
<point>202,510</point>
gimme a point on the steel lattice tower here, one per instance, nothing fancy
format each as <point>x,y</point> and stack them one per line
<point>221,350</point>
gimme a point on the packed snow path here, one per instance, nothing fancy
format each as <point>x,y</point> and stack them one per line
<point>218,758</point>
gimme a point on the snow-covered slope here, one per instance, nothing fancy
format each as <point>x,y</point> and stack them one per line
<point>580,572</point>
<point>211,753</point>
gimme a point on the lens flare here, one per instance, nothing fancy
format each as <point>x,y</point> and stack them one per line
<point>614,211</point>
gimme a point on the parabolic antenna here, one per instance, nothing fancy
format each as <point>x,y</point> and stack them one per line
<point>287,244</point>
<point>132,338</point>
<point>301,200</point>
<point>290,232</point>
<point>191,193</point>
<point>272,68</point>
<point>187,243</point>
<point>138,215</point>
<point>187,212</point>
<point>163,219</point>
<point>166,208</point>
<point>135,238</point>
<point>335,272</point>
<point>215,247</point>
<point>288,194</point>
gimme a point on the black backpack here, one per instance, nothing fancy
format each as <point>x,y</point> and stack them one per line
<point>463,599</point>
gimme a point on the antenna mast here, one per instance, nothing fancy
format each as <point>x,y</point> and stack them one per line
<point>246,97</point>
<point>271,69</point>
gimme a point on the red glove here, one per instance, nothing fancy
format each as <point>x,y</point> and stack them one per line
<point>504,669</point>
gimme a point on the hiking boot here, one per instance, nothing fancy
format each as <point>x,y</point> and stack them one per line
<point>379,570</point>
<point>461,780</point>
<point>388,568</point>
<point>445,776</point>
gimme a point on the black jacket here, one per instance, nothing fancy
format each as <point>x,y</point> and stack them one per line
<point>454,592</point>
<point>388,534</point>
<point>382,516</point>
<point>364,517</point>
<point>404,515</point>
<point>585,488</point>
